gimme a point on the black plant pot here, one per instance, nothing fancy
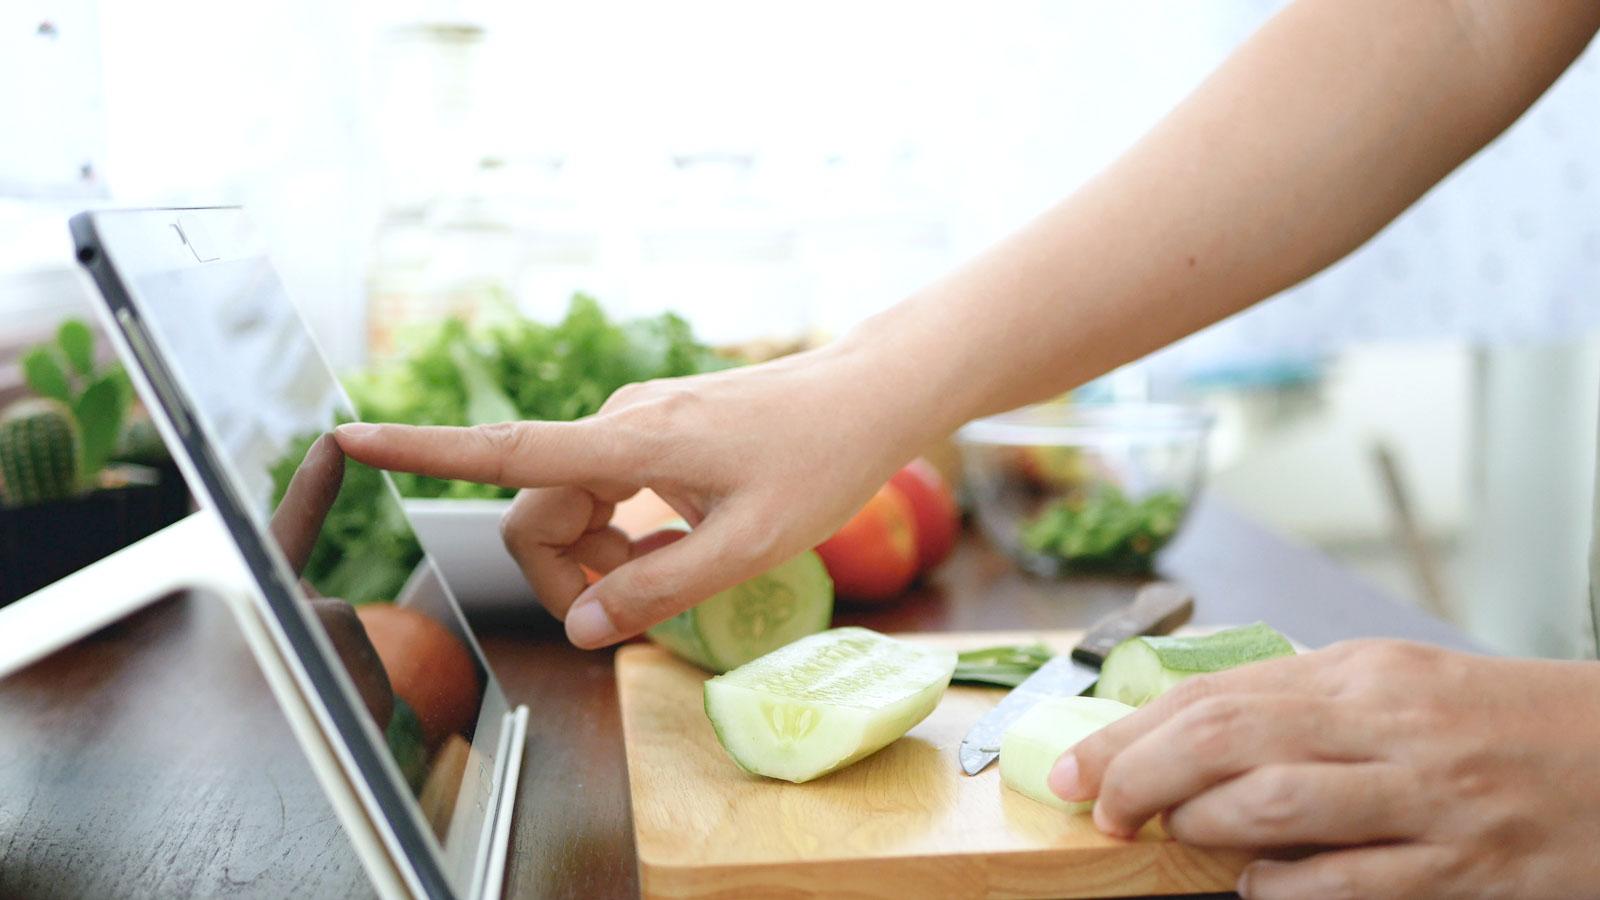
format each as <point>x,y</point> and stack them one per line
<point>41,544</point>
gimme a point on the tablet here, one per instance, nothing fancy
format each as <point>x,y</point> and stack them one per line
<point>371,631</point>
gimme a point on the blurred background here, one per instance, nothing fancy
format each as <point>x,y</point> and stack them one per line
<point>1425,411</point>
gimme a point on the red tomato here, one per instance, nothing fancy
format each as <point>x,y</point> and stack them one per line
<point>934,508</point>
<point>874,556</point>
<point>428,666</point>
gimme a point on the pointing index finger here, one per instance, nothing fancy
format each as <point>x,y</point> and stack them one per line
<point>510,454</point>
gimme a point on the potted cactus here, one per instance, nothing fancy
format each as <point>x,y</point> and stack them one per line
<point>81,475</point>
<point>39,452</point>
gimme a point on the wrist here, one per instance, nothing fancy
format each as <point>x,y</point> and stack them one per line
<point>918,386</point>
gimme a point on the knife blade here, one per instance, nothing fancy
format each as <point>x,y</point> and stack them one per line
<point>1158,608</point>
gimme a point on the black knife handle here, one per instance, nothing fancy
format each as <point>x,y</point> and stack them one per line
<point>1158,608</point>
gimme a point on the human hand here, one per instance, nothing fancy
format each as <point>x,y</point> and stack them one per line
<point>1414,771</point>
<point>763,461</point>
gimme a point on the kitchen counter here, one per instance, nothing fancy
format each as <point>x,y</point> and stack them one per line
<point>149,760</point>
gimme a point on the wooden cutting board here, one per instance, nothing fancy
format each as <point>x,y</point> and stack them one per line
<point>903,822</point>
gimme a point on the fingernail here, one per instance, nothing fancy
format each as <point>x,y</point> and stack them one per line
<point>1253,872</point>
<point>588,625</point>
<point>357,430</point>
<point>1064,777</point>
<point>1102,821</point>
<point>1249,875</point>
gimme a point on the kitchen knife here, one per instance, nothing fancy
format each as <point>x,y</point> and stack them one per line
<point>1157,609</point>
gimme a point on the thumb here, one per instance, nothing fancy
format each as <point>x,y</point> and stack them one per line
<point>660,584</point>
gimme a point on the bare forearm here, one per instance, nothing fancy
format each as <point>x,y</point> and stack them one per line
<point>1331,120</point>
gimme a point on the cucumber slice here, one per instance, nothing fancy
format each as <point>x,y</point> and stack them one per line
<point>1031,746</point>
<point>754,618</point>
<point>825,701</point>
<point>1141,669</point>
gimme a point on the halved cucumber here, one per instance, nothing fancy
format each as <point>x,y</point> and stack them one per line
<point>1031,746</point>
<point>1141,669</point>
<point>825,701</point>
<point>753,618</point>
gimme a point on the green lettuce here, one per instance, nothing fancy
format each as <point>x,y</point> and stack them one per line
<point>515,368</point>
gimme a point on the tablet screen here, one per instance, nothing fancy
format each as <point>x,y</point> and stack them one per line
<point>264,401</point>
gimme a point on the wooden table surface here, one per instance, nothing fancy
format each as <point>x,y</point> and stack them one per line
<point>150,761</point>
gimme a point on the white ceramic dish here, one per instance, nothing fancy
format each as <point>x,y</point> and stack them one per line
<point>463,537</point>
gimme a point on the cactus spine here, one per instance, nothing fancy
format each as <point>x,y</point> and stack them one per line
<point>39,450</point>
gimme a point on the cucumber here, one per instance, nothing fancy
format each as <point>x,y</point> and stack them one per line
<point>825,701</point>
<point>754,618</point>
<point>1030,747</point>
<point>1141,669</point>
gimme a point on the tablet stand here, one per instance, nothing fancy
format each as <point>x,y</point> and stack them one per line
<point>195,554</point>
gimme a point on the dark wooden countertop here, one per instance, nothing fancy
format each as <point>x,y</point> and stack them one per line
<point>150,761</point>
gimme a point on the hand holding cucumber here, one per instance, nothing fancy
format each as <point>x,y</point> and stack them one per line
<point>1425,771</point>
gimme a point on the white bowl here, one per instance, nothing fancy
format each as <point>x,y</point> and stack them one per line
<point>463,537</point>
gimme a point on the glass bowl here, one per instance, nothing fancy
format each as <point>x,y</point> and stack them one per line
<point>1098,487</point>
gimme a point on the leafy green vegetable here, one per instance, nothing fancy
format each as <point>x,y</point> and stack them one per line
<point>1105,530</point>
<point>1001,666</point>
<point>455,374</point>
<point>515,368</point>
<point>486,403</point>
<point>365,551</point>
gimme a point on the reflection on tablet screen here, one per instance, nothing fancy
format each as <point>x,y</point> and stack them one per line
<point>267,402</point>
<point>414,673</point>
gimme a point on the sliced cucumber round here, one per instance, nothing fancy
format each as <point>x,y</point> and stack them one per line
<point>825,701</point>
<point>753,618</point>
<point>1141,669</point>
<point>1030,747</point>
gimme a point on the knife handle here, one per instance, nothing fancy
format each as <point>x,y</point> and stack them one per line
<point>1158,608</point>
